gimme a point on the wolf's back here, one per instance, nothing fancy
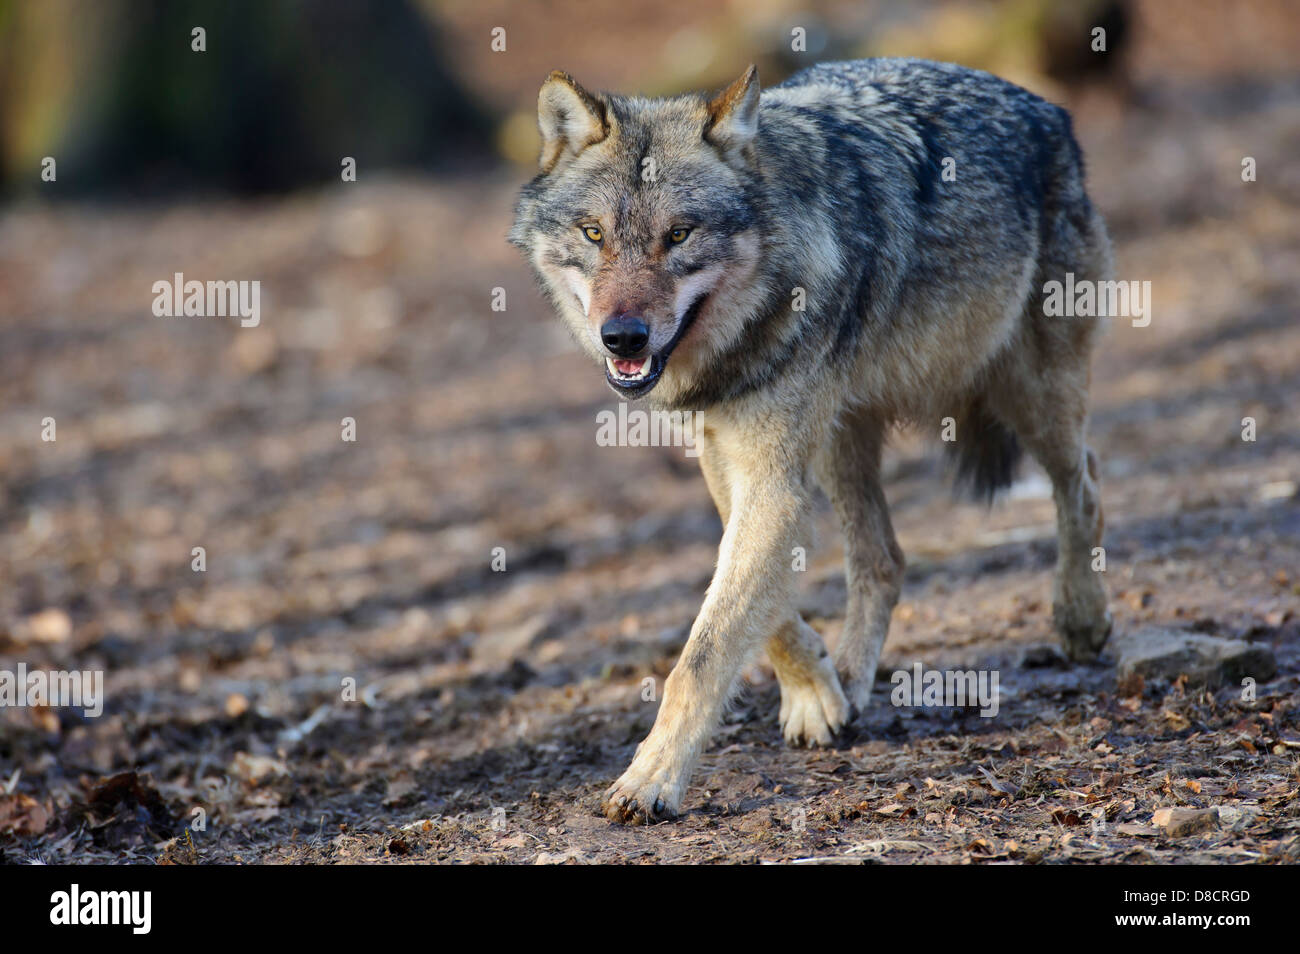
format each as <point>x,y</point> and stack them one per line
<point>948,184</point>
<point>996,135</point>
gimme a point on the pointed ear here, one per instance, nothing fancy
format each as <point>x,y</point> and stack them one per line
<point>733,114</point>
<point>570,118</point>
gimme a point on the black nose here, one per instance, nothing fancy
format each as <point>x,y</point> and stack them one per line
<point>625,335</point>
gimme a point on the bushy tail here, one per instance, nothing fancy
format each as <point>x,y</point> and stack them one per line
<point>986,452</point>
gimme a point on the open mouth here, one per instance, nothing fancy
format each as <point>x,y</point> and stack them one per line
<point>636,377</point>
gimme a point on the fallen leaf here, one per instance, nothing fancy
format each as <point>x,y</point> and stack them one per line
<point>1135,831</point>
<point>1006,788</point>
<point>21,815</point>
<point>125,810</point>
<point>1132,686</point>
<point>254,768</point>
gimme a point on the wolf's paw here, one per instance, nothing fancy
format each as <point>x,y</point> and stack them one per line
<point>812,712</point>
<point>643,795</point>
<point>1082,636</point>
<point>1079,611</point>
<point>857,689</point>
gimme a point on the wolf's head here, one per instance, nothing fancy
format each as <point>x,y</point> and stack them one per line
<point>643,226</point>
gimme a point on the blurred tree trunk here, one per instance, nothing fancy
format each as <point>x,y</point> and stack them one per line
<point>284,90</point>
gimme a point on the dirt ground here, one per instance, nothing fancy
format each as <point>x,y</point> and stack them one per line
<point>350,680</point>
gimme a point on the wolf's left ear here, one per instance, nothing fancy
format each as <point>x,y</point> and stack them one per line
<point>733,114</point>
<point>570,118</point>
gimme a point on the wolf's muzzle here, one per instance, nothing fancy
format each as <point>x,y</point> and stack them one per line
<point>634,378</point>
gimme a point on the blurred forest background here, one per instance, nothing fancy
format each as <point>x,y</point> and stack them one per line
<point>285,86</point>
<point>330,560</point>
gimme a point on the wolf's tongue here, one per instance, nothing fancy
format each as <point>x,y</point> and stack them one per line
<point>629,367</point>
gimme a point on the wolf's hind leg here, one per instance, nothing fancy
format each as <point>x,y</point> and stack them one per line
<point>813,706</point>
<point>1045,400</point>
<point>849,469</point>
<point>1078,595</point>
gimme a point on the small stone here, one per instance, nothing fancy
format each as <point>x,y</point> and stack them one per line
<point>1159,653</point>
<point>191,680</point>
<point>571,857</point>
<point>1237,818</point>
<point>47,626</point>
<point>1181,822</point>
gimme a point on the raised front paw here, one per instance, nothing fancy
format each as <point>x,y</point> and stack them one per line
<point>812,712</point>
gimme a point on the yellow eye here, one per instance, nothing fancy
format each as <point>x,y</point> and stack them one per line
<point>593,232</point>
<point>678,236</point>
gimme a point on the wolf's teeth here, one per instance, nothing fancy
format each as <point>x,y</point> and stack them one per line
<point>638,375</point>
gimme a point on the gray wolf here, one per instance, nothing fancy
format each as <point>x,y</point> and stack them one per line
<point>865,244</point>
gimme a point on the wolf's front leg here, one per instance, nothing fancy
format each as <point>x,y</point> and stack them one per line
<point>849,468</point>
<point>748,600</point>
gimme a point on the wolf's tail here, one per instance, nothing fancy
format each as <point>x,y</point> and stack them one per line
<point>986,452</point>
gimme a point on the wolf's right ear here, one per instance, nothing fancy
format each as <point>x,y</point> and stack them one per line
<point>570,119</point>
<point>733,114</point>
